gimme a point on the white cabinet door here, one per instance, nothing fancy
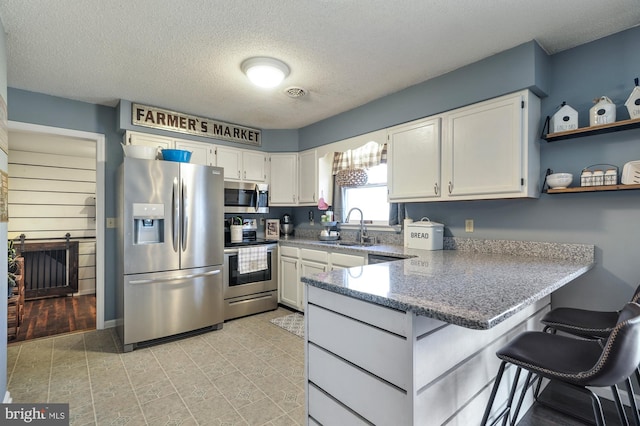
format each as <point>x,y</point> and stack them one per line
<point>307,178</point>
<point>254,166</point>
<point>283,190</point>
<point>343,261</point>
<point>201,153</point>
<point>147,139</point>
<point>231,160</point>
<point>485,149</point>
<point>290,289</point>
<point>414,161</point>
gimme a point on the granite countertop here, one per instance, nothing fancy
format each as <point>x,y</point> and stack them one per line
<point>475,283</point>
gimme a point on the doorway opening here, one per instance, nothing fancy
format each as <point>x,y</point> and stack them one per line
<point>56,216</point>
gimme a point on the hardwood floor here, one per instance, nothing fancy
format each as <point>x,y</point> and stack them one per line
<point>57,315</point>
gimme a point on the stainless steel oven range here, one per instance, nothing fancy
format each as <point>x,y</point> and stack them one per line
<point>253,292</point>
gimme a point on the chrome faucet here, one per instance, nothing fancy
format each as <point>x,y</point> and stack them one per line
<point>363,230</point>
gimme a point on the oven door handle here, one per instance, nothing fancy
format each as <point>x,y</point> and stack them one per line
<point>235,250</point>
<point>177,278</point>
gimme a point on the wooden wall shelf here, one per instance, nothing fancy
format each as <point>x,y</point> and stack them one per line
<point>594,130</point>
<point>593,188</point>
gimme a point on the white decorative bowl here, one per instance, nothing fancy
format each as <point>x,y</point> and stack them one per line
<point>559,180</point>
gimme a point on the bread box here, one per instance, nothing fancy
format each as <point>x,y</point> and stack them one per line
<point>424,235</point>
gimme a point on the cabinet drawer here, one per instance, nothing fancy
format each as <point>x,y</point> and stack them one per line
<point>358,389</point>
<point>347,260</point>
<point>379,316</point>
<point>288,251</point>
<point>328,411</point>
<point>314,255</point>
<point>379,352</point>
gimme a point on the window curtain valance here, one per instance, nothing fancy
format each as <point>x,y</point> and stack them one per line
<point>350,167</point>
<point>369,155</point>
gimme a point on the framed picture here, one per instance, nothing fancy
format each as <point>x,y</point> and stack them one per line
<point>272,229</point>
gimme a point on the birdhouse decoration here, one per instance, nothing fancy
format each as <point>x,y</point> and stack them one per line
<point>603,112</point>
<point>566,118</point>
<point>633,103</point>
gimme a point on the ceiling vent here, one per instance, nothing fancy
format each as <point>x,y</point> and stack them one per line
<point>295,92</point>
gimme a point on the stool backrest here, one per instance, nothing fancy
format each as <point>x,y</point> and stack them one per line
<point>636,295</point>
<point>621,352</point>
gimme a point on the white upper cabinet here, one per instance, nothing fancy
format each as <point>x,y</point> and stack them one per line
<point>242,165</point>
<point>148,139</point>
<point>231,160</point>
<point>201,153</point>
<point>307,178</point>
<point>491,149</point>
<point>413,172</point>
<point>254,166</point>
<point>283,190</point>
<point>488,150</point>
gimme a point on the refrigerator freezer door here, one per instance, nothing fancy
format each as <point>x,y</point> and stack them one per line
<point>152,185</point>
<point>167,303</point>
<point>202,220</point>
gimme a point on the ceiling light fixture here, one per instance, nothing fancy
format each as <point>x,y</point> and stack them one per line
<point>265,72</point>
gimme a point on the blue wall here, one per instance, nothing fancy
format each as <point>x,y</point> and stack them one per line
<point>524,66</point>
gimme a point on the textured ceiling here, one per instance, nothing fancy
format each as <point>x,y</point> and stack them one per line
<point>185,55</point>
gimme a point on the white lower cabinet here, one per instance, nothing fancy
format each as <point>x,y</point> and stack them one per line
<point>296,262</point>
<point>289,288</point>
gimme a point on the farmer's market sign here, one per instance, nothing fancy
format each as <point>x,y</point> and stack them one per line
<point>157,118</point>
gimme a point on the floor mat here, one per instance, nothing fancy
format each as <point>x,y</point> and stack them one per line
<point>293,323</point>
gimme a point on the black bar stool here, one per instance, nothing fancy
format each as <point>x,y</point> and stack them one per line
<point>587,324</point>
<point>574,362</point>
<point>583,322</point>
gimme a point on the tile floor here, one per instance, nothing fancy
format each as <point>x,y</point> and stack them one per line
<point>249,373</point>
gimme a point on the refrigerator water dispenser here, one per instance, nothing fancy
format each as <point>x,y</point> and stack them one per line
<point>148,223</point>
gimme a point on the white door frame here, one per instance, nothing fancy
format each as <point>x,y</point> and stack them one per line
<point>100,198</point>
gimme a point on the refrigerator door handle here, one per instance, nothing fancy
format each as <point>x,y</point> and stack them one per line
<point>178,278</point>
<point>175,215</point>
<point>185,217</point>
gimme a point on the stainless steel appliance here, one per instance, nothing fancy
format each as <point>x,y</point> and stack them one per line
<point>171,248</point>
<point>253,292</point>
<point>242,197</point>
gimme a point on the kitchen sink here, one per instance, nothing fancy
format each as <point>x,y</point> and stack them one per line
<point>347,243</point>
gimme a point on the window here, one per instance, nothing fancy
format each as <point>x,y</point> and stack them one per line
<point>371,198</point>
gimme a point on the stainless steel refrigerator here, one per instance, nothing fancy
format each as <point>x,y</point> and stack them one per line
<point>171,249</point>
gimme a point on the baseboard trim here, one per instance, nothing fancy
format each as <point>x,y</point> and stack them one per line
<point>110,324</point>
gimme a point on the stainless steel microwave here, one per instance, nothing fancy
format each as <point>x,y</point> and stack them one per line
<point>242,197</point>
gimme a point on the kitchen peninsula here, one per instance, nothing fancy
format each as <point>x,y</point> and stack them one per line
<point>413,342</point>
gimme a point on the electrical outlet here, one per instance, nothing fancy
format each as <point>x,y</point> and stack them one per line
<point>111,222</point>
<point>262,221</point>
<point>468,225</point>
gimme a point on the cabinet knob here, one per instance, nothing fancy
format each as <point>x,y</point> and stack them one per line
<point>450,187</point>
<point>245,174</point>
<point>238,174</point>
<point>435,188</point>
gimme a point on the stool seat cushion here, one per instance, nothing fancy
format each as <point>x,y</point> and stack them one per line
<point>581,322</point>
<point>552,356</point>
